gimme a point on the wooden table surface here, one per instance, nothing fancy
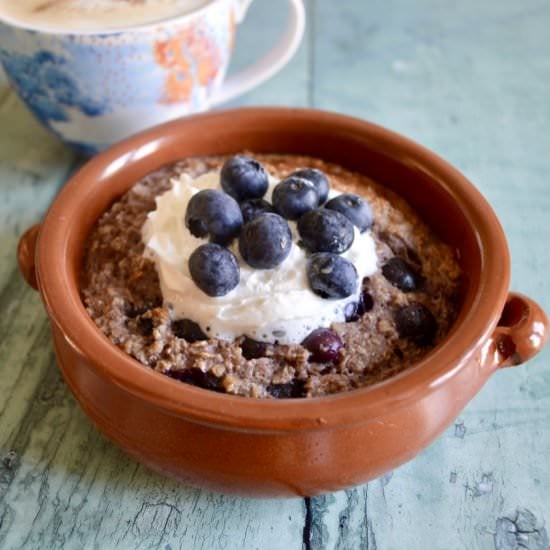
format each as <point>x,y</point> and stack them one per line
<point>471,81</point>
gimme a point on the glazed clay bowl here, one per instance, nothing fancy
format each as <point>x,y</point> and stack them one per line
<point>282,447</point>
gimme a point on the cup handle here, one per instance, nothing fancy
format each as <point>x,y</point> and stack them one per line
<point>521,333</point>
<point>270,63</point>
<point>26,253</point>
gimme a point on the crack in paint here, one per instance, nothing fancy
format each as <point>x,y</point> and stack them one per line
<point>306,534</point>
<point>522,531</point>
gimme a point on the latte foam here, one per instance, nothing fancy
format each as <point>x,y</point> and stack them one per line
<point>93,15</point>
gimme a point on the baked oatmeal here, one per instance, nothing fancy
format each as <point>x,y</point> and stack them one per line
<point>403,303</point>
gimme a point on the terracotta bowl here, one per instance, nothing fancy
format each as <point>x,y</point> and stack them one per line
<point>285,447</point>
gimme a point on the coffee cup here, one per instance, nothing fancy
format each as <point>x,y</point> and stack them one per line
<point>92,82</point>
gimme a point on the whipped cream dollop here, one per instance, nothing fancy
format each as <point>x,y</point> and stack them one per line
<point>268,304</point>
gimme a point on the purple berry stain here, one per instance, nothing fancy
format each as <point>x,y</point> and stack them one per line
<point>198,378</point>
<point>252,349</point>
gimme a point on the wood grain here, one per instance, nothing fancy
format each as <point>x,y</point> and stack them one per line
<point>470,81</point>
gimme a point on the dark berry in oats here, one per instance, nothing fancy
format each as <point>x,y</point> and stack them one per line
<point>197,377</point>
<point>356,210</point>
<point>214,269</point>
<point>243,178</point>
<point>265,242</point>
<point>252,208</point>
<point>331,276</point>
<point>188,330</point>
<point>324,345</point>
<point>366,302</point>
<point>351,312</point>
<point>355,310</point>
<point>292,197</point>
<point>214,214</point>
<point>292,389</point>
<point>145,325</point>
<point>401,274</point>
<point>323,230</point>
<point>252,349</point>
<point>317,178</point>
<point>416,323</point>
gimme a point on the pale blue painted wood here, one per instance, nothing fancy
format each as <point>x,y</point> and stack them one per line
<point>470,81</point>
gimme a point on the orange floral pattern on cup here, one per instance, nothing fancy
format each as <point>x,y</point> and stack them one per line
<point>191,57</point>
<point>94,88</point>
<point>232,28</point>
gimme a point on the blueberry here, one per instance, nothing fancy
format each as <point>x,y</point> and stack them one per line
<point>243,178</point>
<point>331,276</point>
<point>356,210</point>
<point>265,242</point>
<point>145,326</point>
<point>197,377</point>
<point>188,330</point>
<point>401,274</point>
<point>252,208</point>
<point>214,214</point>
<point>317,178</point>
<point>323,230</point>
<point>214,269</point>
<point>324,345</point>
<point>252,349</point>
<point>289,390</point>
<point>292,197</point>
<point>355,310</point>
<point>351,312</point>
<point>416,323</point>
<point>367,302</point>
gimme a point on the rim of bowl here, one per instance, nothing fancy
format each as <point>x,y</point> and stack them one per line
<point>472,328</point>
<point>145,27</point>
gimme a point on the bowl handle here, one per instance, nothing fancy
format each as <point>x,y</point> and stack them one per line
<point>26,253</point>
<point>521,333</point>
